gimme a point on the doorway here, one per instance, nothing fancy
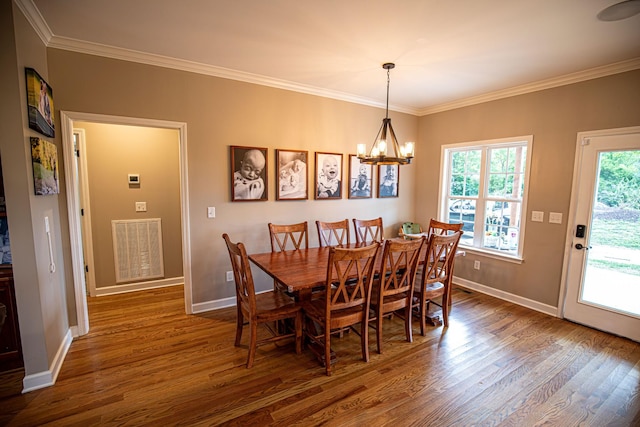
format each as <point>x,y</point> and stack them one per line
<point>74,208</point>
<point>603,241</point>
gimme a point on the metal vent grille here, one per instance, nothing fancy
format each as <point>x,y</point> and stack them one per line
<point>137,249</point>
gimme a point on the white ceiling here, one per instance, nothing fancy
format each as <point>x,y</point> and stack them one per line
<point>447,52</point>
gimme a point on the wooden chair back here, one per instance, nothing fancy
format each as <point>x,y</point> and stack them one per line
<point>437,273</point>
<point>333,233</point>
<point>443,228</point>
<point>265,308</point>
<point>368,230</point>
<point>288,237</point>
<point>245,289</point>
<point>393,289</point>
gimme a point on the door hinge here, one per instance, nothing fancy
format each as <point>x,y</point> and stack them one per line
<point>81,212</point>
<point>86,268</point>
<point>585,141</point>
<point>77,153</point>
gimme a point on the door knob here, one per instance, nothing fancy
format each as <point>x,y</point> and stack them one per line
<point>581,246</point>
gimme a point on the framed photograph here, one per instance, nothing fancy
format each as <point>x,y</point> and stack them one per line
<point>292,178</point>
<point>44,156</point>
<point>388,180</point>
<point>248,174</point>
<point>39,103</point>
<point>360,178</point>
<point>328,182</point>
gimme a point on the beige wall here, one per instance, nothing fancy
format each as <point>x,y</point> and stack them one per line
<point>113,152</point>
<point>553,117</point>
<point>220,113</point>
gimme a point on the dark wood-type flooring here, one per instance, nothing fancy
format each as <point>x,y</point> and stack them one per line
<point>145,362</point>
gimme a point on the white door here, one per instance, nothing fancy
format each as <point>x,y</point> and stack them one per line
<point>603,271</point>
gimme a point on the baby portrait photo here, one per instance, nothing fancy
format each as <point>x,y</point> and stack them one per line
<point>388,180</point>
<point>360,178</point>
<point>292,175</point>
<point>328,176</point>
<point>248,173</point>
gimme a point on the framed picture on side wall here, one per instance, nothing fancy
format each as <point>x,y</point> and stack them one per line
<point>248,174</point>
<point>360,178</point>
<point>292,178</point>
<point>39,103</point>
<point>44,157</point>
<point>388,180</point>
<point>328,176</point>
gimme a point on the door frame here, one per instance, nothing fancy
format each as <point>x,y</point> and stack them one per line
<point>581,139</point>
<point>73,204</point>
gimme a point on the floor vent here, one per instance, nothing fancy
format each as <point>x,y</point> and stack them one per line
<point>137,249</point>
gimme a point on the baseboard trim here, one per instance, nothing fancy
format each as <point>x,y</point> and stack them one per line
<point>202,307</point>
<point>139,286</point>
<point>48,378</point>
<point>506,296</point>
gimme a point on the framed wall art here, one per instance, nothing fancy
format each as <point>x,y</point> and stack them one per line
<point>292,179</point>
<point>360,178</point>
<point>39,103</point>
<point>388,180</point>
<point>248,173</point>
<point>328,178</point>
<point>44,157</point>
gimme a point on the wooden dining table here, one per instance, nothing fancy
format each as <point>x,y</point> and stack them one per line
<point>303,270</point>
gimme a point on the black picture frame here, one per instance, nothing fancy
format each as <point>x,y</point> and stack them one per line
<point>360,179</point>
<point>39,103</point>
<point>244,163</point>
<point>388,181</point>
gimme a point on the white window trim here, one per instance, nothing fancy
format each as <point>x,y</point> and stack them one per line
<point>442,191</point>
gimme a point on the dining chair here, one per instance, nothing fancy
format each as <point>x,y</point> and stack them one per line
<point>368,230</point>
<point>347,293</point>
<point>260,309</point>
<point>288,237</point>
<point>443,228</point>
<point>435,279</point>
<point>328,232</point>
<point>393,288</point>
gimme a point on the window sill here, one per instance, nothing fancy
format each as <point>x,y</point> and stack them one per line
<point>491,254</point>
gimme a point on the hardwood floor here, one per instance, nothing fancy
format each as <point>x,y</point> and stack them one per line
<point>147,363</point>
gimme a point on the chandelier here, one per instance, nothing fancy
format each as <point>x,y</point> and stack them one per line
<point>378,155</point>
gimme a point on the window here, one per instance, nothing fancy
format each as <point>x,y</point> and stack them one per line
<point>485,188</point>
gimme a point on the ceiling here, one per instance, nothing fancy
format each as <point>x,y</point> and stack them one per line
<point>447,53</point>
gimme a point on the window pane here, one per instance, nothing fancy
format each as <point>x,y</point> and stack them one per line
<point>472,185</point>
<point>457,185</point>
<point>497,183</point>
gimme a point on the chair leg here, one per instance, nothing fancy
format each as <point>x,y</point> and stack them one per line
<point>423,316</point>
<point>379,330</point>
<point>364,338</point>
<point>445,310</point>
<point>327,349</point>
<point>239,324</point>
<point>407,323</point>
<point>253,340</point>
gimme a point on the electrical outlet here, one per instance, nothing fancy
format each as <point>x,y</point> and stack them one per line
<point>229,276</point>
<point>476,265</point>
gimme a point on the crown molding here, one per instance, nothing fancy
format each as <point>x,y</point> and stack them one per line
<point>31,12</point>
<point>580,76</point>
<point>97,49</point>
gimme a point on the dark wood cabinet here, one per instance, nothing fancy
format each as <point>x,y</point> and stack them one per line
<point>10,348</point>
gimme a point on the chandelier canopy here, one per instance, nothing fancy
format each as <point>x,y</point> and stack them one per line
<point>379,153</point>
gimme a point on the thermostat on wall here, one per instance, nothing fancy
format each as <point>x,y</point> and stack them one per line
<point>134,178</point>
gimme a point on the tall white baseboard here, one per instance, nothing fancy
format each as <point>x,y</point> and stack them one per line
<point>48,378</point>
<point>139,286</point>
<point>506,296</point>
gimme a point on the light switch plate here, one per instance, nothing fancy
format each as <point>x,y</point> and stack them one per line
<point>555,217</point>
<point>211,212</point>
<point>537,216</point>
<point>141,206</point>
